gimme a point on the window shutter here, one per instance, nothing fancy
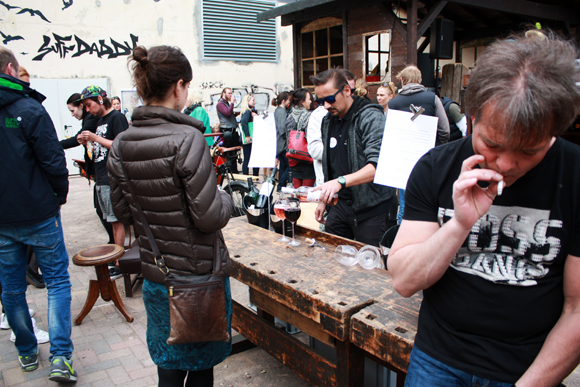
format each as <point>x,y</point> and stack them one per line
<point>231,32</point>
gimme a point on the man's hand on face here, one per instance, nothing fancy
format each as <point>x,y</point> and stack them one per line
<point>470,201</point>
<point>233,99</point>
<point>329,189</point>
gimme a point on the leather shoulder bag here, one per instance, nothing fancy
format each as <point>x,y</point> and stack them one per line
<point>197,303</point>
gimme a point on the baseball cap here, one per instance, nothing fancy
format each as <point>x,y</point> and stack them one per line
<point>92,91</point>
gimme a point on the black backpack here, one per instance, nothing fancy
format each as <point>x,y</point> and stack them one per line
<point>454,132</point>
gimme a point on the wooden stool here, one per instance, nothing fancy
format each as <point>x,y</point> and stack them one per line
<point>99,256</point>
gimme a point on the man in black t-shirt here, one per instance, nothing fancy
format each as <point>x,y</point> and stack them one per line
<point>351,135</point>
<point>491,230</point>
<point>110,124</point>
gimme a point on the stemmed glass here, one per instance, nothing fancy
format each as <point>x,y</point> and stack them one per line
<point>279,205</point>
<point>292,213</point>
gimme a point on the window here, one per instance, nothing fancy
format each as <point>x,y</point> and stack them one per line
<point>377,55</point>
<point>321,47</point>
<point>231,32</point>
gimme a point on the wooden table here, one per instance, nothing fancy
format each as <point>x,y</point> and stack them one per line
<point>99,256</point>
<point>306,287</point>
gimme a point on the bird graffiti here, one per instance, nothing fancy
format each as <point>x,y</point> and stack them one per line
<point>9,38</point>
<point>8,6</point>
<point>33,12</point>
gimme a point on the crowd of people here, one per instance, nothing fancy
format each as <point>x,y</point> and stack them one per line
<point>488,223</point>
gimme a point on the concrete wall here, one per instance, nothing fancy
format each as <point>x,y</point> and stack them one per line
<point>93,38</point>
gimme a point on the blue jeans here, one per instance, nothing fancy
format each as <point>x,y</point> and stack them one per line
<point>424,371</point>
<point>401,206</point>
<point>47,242</point>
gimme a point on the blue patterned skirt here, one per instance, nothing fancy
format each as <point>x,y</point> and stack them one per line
<point>186,357</point>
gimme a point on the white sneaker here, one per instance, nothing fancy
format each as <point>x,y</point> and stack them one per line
<point>4,320</point>
<point>41,336</point>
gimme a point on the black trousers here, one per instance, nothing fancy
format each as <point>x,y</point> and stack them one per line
<point>342,221</point>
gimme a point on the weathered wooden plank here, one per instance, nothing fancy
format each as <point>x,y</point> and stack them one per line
<point>304,361</point>
<point>284,313</point>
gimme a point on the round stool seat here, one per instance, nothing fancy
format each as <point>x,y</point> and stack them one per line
<point>98,255</point>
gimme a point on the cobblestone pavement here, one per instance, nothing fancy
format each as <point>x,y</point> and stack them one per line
<point>109,351</point>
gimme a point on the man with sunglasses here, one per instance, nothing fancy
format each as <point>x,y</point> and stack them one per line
<point>352,135</point>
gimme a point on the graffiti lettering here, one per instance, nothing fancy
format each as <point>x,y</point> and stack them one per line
<point>59,47</point>
<point>212,85</point>
<point>101,49</point>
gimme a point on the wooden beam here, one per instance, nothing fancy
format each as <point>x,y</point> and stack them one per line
<point>424,45</point>
<point>295,355</point>
<point>345,40</point>
<point>319,11</point>
<point>526,8</point>
<point>290,8</point>
<point>394,20</point>
<point>430,17</point>
<point>412,32</point>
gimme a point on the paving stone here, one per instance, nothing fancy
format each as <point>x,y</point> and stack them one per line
<point>115,354</point>
<point>101,346</point>
<point>118,375</point>
<point>102,366</point>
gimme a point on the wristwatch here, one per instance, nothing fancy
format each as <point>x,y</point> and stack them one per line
<point>342,181</point>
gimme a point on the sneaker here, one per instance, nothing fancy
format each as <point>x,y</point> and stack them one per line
<point>41,336</point>
<point>4,320</point>
<point>61,370</point>
<point>35,279</point>
<point>115,273</point>
<point>28,363</point>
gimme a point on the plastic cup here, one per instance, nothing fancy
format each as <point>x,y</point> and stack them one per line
<point>369,257</point>
<point>346,255</point>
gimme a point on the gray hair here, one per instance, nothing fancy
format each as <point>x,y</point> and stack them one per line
<point>530,84</point>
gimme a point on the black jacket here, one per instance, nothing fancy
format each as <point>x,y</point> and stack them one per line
<point>32,166</point>
<point>168,162</point>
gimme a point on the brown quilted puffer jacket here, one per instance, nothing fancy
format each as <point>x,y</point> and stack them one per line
<point>168,162</point>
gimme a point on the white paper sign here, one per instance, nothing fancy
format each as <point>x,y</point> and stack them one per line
<point>263,143</point>
<point>404,142</point>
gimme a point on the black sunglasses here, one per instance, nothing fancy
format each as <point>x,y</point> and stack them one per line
<point>330,99</point>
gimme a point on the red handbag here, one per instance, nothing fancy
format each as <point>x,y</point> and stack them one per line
<point>297,148</point>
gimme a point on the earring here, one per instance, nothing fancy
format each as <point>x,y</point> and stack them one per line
<point>101,102</point>
<point>177,105</point>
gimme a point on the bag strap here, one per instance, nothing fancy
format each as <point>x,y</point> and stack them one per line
<point>159,259</point>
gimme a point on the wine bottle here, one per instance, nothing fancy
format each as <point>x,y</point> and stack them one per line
<point>266,190</point>
<point>305,194</point>
<point>252,194</point>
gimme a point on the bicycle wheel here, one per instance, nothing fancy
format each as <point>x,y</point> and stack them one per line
<point>237,192</point>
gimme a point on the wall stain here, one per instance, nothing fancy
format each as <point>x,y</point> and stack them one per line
<point>160,26</point>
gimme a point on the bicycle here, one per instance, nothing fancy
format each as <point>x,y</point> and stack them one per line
<point>225,177</point>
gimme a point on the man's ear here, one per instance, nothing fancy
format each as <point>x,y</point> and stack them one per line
<point>12,71</point>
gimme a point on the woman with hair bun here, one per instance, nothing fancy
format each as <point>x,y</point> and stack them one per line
<point>167,161</point>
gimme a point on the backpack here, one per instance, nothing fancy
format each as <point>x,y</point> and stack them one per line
<point>454,132</point>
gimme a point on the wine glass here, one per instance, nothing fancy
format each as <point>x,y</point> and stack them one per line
<point>279,205</point>
<point>292,213</point>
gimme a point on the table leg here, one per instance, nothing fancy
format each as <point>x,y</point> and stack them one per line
<point>90,302</point>
<point>118,302</point>
<point>350,364</point>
